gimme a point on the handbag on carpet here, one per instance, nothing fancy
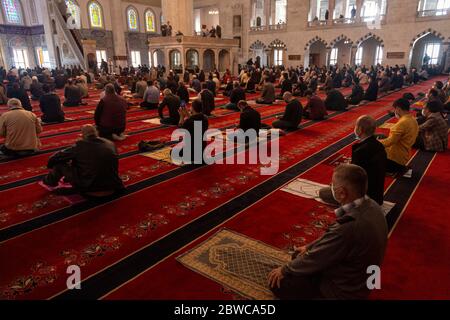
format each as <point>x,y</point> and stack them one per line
<point>148,146</point>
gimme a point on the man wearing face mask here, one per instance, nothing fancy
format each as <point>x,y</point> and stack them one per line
<point>433,132</point>
<point>369,154</point>
<point>335,266</point>
<point>401,138</point>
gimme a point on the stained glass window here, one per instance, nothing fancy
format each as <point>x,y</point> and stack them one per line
<point>95,14</point>
<point>13,11</point>
<point>150,21</point>
<point>132,19</point>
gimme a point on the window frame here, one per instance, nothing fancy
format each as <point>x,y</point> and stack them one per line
<point>127,13</point>
<point>155,27</point>
<point>20,11</point>
<point>102,15</point>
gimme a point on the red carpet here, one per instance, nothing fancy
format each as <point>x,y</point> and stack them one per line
<point>99,237</point>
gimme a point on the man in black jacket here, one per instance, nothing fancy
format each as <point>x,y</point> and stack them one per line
<point>236,95</point>
<point>90,166</point>
<point>172,102</point>
<point>250,118</point>
<point>19,93</point>
<point>357,94</point>
<point>292,115</point>
<point>369,154</point>
<point>335,101</point>
<point>207,98</point>
<point>50,105</point>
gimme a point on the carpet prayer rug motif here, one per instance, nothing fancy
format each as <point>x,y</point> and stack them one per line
<point>237,262</point>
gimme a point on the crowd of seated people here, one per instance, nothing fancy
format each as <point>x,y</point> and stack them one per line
<point>147,84</point>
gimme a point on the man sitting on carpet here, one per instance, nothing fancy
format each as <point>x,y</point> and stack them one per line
<point>90,166</point>
<point>401,138</point>
<point>370,155</point>
<point>110,115</point>
<point>433,133</point>
<point>335,100</point>
<point>188,121</point>
<point>50,105</point>
<point>20,128</point>
<point>315,108</point>
<point>172,102</point>
<point>250,118</point>
<point>292,115</point>
<point>236,95</point>
<point>335,266</point>
<point>268,93</point>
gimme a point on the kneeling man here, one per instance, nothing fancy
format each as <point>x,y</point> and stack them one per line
<point>91,166</point>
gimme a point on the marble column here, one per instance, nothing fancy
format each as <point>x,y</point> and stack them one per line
<point>331,5</point>
<point>120,46</point>
<point>353,55</point>
<point>43,11</point>
<point>359,4</point>
<point>328,56</point>
<point>216,59</point>
<point>180,14</point>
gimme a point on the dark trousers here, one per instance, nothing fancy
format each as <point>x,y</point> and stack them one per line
<point>15,153</point>
<point>298,288</point>
<point>282,124</point>
<point>72,103</point>
<point>148,105</point>
<point>262,101</point>
<point>232,106</point>
<point>108,132</point>
<point>394,167</point>
<point>169,121</point>
<point>59,171</point>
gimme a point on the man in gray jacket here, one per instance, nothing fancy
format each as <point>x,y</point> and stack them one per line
<point>335,266</point>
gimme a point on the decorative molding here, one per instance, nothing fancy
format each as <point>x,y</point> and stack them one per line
<point>314,40</point>
<point>368,36</point>
<point>22,30</point>
<point>424,33</point>
<point>340,38</point>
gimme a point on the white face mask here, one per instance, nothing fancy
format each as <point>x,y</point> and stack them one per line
<point>357,135</point>
<point>333,192</point>
<point>397,115</point>
<point>424,113</point>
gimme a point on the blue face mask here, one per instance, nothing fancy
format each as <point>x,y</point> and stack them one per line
<point>357,137</point>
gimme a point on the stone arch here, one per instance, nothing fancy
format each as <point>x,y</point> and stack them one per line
<point>425,33</point>
<point>340,38</point>
<point>258,45</point>
<point>314,40</point>
<point>277,44</point>
<point>368,36</point>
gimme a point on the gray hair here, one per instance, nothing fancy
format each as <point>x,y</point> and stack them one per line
<point>14,103</point>
<point>353,177</point>
<point>367,124</point>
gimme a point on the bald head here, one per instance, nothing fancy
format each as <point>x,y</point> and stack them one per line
<point>88,131</point>
<point>350,183</point>
<point>365,126</point>
<point>287,96</point>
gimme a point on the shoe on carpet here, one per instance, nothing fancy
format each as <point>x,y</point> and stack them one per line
<point>119,138</point>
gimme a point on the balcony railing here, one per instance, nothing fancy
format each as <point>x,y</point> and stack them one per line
<point>369,20</point>
<point>272,27</point>
<point>433,13</point>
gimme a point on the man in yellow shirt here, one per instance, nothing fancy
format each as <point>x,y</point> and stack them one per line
<point>401,138</point>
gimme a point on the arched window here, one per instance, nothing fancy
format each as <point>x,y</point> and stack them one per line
<point>74,10</point>
<point>95,15</point>
<point>13,11</point>
<point>150,21</point>
<point>132,16</point>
